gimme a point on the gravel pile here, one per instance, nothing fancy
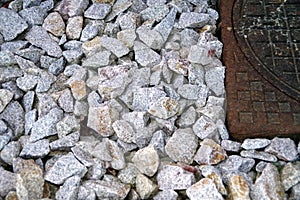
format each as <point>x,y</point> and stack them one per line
<point>115,99</point>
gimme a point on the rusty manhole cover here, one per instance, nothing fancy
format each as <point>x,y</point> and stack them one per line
<point>261,52</point>
<point>269,34</point>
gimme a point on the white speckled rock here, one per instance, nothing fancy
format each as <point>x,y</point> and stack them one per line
<point>146,160</point>
<point>204,189</point>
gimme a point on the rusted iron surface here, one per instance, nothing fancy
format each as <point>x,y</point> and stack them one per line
<point>261,52</point>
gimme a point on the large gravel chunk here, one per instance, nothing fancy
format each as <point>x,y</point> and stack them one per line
<point>114,45</point>
<point>30,179</point>
<point>97,11</point>
<point>144,55</point>
<point>65,167</point>
<point>166,194</point>
<point>261,155</point>
<point>144,186</point>
<point>101,119</point>
<point>34,15</point>
<point>172,177</point>
<point>237,163</point>
<point>7,58</point>
<point>204,189</point>
<point>151,38</point>
<point>69,190</point>
<point>55,24</point>
<point>290,175</point>
<point>238,188</point>
<point>255,143</point>
<point>214,78</point>
<point>182,146</point>
<point>166,25</point>
<point>7,182</point>
<point>283,148</point>
<point>193,19</point>
<point>39,37</point>
<point>210,153</point>
<point>10,151</point>
<point>124,131</point>
<point>144,97</point>
<point>98,59</point>
<point>268,185</point>
<point>11,24</point>
<point>164,108</point>
<point>5,97</point>
<point>108,189</point>
<point>46,126</point>
<point>205,128</point>
<point>14,115</point>
<point>37,149</point>
<point>74,27</point>
<point>146,160</point>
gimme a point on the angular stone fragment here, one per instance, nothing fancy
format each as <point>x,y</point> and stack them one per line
<point>199,55</point>
<point>166,25</point>
<point>238,188</point>
<point>210,153</point>
<point>259,155</point>
<point>151,38</point>
<point>268,185</point>
<point>10,151</point>
<point>118,7</point>
<point>107,189</point>
<point>166,194</point>
<point>164,107</point>
<point>124,131</point>
<point>65,101</point>
<point>83,156</point>
<point>5,97</point>
<point>128,174</point>
<point>78,88</point>
<point>283,148</point>
<point>290,175</point>
<point>144,186</point>
<point>146,160</point>
<point>70,8</point>
<point>213,173</point>
<point>144,97</point>
<point>65,142</point>
<point>11,24</point>
<point>7,182</point>
<point>204,189</point>
<point>172,177</point>
<point>74,27</point>
<point>65,167</point>
<point>39,37</point>
<point>193,20</point>
<point>27,82</point>
<point>35,150</point>
<point>237,163</point>
<point>46,126</point>
<point>97,11</point>
<point>9,73</point>
<point>205,128</point>
<point>67,125</point>
<point>28,100</point>
<point>99,59</point>
<point>69,190</point>
<point>229,145</point>
<point>114,45</point>
<point>145,56</point>
<point>182,146</point>
<point>155,12</point>
<point>193,92</point>
<point>55,24</point>
<point>7,58</point>
<point>127,37</point>
<point>101,119</point>
<point>13,115</point>
<point>34,15</point>
<point>57,66</point>
<point>30,180</point>
<point>214,78</point>
<point>113,80</point>
<point>128,20</point>
<point>255,143</point>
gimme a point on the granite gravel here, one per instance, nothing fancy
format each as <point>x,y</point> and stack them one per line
<point>122,99</point>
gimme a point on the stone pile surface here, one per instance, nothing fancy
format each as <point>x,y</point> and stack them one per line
<point>115,99</point>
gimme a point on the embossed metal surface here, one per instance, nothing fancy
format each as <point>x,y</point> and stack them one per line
<point>261,54</point>
<point>269,33</point>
